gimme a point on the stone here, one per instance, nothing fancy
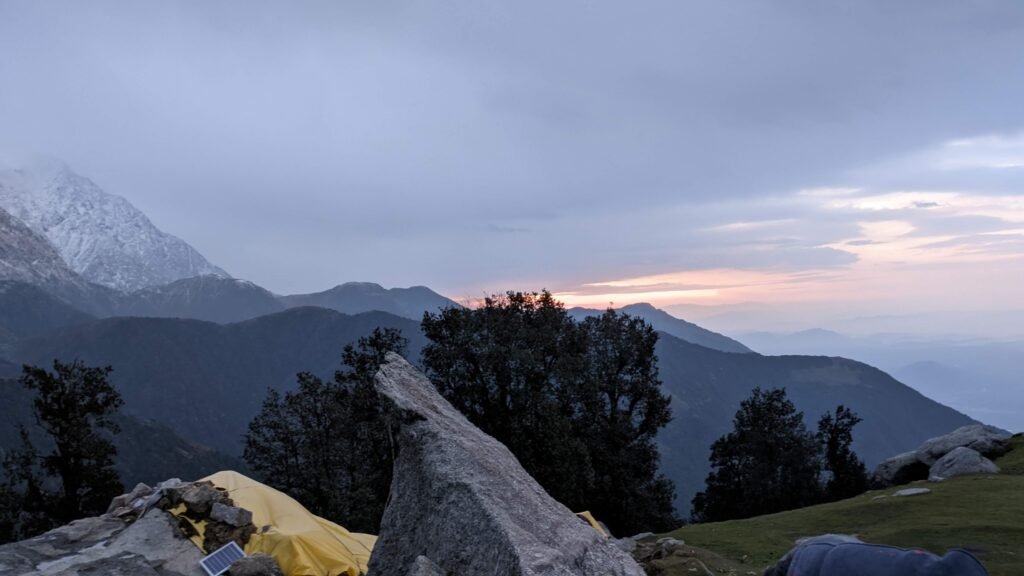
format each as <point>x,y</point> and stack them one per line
<point>231,515</point>
<point>912,492</point>
<point>423,566</point>
<point>961,461</point>
<point>460,497</point>
<point>199,498</point>
<point>218,534</point>
<point>151,545</point>
<point>256,565</point>
<point>133,500</point>
<point>900,469</point>
<point>988,441</point>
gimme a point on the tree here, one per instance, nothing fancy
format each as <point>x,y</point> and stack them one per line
<point>768,463</point>
<point>578,404</point>
<point>847,475</point>
<point>74,406</point>
<point>326,444</point>
<point>622,409</point>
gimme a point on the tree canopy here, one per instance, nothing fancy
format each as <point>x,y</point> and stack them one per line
<point>579,404</point>
<point>74,406</point>
<point>770,462</point>
<point>326,443</point>
<point>847,475</point>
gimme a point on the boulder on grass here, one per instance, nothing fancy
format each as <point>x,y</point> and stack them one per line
<point>901,469</point>
<point>988,441</point>
<point>460,498</point>
<point>959,462</point>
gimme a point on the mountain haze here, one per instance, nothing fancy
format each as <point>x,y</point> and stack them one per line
<point>212,298</point>
<point>357,297</point>
<point>665,322</point>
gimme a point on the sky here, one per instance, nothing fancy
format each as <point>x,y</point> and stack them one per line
<point>747,164</point>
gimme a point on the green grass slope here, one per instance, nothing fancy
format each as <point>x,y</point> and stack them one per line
<point>983,514</point>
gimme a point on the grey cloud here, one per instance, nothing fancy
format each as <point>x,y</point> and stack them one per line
<point>300,144</point>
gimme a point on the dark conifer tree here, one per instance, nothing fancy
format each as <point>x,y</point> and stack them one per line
<point>846,473</point>
<point>578,404</point>
<point>326,444</point>
<point>768,463</point>
<point>74,405</point>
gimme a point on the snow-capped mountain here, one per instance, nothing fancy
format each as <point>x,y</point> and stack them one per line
<point>27,256</point>
<point>100,236</point>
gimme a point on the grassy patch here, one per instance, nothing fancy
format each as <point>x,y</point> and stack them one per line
<point>980,513</point>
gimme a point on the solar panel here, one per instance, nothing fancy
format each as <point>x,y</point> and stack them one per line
<point>222,558</point>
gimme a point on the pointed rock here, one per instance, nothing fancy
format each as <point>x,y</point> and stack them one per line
<point>460,498</point>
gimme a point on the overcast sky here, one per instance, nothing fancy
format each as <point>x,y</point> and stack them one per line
<point>787,164</point>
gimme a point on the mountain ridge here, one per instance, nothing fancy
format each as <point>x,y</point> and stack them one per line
<point>101,236</point>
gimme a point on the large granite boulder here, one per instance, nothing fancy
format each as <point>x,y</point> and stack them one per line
<point>151,545</point>
<point>460,499</point>
<point>901,469</point>
<point>988,441</point>
<point>959,462</point>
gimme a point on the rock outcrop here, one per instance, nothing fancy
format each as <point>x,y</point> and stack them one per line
<point>960,461</point>
<point>460,499</point>
<point>924,463</point>
<point>150,546</point>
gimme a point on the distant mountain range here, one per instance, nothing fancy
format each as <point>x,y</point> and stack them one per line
<point>84,275</point>
<point>357,297</point>
<point>981,377</point>
<point>664,322</point>
<point>206,380</point>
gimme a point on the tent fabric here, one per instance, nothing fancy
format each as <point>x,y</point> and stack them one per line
<point>589,518</point>
<point>303,544</point>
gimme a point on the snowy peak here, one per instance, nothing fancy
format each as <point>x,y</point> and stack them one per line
<point>100,236</point>
<point>27,256</point>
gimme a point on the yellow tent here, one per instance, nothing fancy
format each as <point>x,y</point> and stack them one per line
<point>303,544</point>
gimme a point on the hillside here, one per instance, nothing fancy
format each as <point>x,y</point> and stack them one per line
<point>27,311</point>
<point>979,513</point>
<point>665,322</point>
<point>707,386</point>
<point>358,297</point>
<point>206,380</point>
<point>212,298</point>
<point>146,450</point>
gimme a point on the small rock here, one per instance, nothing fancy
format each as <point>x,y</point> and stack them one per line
<point>423,566</point>
<point>218,534</point>
<point>129,500</point>
<point>961,461</point>
<point>231,515</point>
<point>199,498</point>
<point>642,535</point>
<point>256,565</point>
<point>669,542</point>
<point>912,492</point>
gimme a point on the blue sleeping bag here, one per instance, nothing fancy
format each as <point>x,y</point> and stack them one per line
<point>835,555</point>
